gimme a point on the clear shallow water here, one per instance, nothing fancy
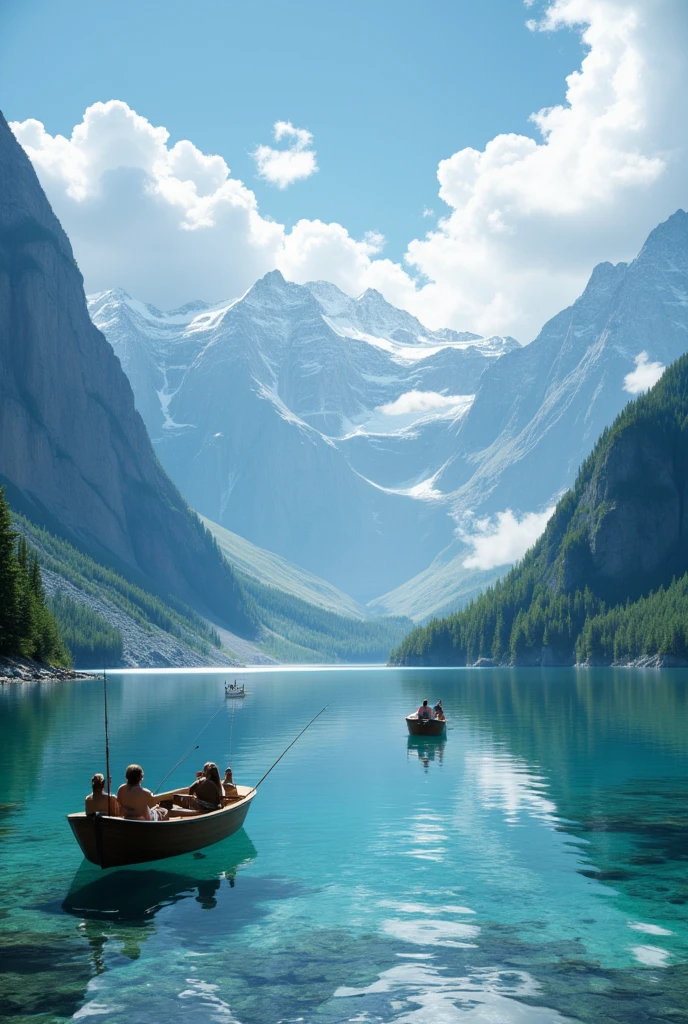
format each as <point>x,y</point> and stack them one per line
<point>531,868</point>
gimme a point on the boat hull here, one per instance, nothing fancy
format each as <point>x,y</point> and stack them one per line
<point>425,726</point>
<point>115,842</point>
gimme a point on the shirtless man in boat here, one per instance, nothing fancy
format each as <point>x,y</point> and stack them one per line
<point>424,711</point>
<point>101,801</point>
<point>137,803</point>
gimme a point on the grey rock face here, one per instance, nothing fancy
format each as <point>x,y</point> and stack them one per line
<point>74,452</point>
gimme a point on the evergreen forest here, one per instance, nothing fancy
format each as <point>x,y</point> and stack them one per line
<point>555,606</point>
<point>27,625</point>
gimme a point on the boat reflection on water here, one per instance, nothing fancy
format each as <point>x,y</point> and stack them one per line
<point>136,893</point>
<point>426,749</point>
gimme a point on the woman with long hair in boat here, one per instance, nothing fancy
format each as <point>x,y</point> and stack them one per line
<point>206,793</point>
<point>212,774</point>
<point>137,803</point>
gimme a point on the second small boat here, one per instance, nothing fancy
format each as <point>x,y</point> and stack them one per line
<point>426,726</point>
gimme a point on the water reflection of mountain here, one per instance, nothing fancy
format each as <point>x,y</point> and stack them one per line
<point>426,749</point>
<point>601,753</point>
<point>28,715</point>
<point>136,893</point>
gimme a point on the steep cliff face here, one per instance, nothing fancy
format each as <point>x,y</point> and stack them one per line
<point>74,452</point>
<point>630,530</point>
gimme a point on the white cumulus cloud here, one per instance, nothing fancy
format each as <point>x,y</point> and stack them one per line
<point>525,219</point>
<point>645,375</point>
<point>282,167</point>
<point>170,223</point>
<point>528,217</point>
<point>504,539</point>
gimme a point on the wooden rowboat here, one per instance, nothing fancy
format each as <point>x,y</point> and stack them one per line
<point>426,726</point>
<point>113,842</point>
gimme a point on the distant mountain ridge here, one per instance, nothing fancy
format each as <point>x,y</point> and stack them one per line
<point>74,453</point>
<point>608,580</point>
<point>374,416</point>
<point>308,422</point>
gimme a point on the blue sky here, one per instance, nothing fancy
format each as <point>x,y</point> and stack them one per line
<point>388,89</point>
<point>541,150</point>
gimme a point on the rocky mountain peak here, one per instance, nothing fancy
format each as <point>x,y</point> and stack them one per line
<point>667,245</point>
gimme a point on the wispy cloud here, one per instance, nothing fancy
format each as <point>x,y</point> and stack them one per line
<point>645,375</point>
<point>282,167</point>
<point>503,539</point>
<point>421,401</point>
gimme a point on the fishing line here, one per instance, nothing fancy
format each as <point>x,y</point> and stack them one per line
<point>191,749</point>
<point>231,730</point>
<point>291,745</point>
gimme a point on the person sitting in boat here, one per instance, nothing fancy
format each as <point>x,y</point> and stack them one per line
<point>424,711</point>
<point>231,792</point>
<point>206,793</point>
<point>101,801</point>
<point>137,803</point>
<point>439,710</point>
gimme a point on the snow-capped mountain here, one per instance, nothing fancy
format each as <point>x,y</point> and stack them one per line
<point>540,409</point>
<point>343,435</point>
<point>308,422</point>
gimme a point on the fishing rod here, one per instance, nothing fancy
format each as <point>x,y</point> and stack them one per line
<point>190,750</point>
<point>107,742</point>
<point>291,745</point>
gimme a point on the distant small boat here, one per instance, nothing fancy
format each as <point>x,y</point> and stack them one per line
<point>113,842</point>
<point>233,690</point>
<point>426,726</point>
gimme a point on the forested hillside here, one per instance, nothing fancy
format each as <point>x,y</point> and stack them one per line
<point>106,619</point>
<point>27,626</point>
<point>300,631</point>
<point>608,580</point>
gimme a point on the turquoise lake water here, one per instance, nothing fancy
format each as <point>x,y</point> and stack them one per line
<point>530,868</point>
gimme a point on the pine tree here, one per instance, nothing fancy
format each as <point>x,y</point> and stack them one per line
<point>9,582</point>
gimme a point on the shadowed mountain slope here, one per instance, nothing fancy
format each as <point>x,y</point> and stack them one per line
<point>74,452</point>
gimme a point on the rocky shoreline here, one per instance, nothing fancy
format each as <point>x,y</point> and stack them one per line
<point>24,670</point>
